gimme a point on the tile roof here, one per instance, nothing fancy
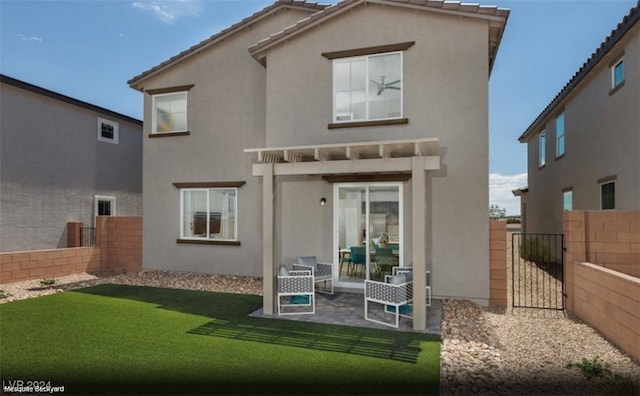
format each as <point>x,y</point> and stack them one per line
<point>297,4</point>
<point>616,35</point>
<point>257,50</point>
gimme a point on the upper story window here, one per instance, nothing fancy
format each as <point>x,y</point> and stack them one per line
<point>169,111</point>
<point>367,87</point>
<point>108,131</point>
<point>608,195</point>
<point>560,135</point>
<point>542,149</point>
<point>617,73</point>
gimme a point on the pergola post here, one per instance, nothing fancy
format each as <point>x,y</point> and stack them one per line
<point>418,207</point>
<point>268,262</point>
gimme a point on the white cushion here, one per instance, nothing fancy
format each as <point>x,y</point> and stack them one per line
<point>398,280</point>
<point>307,260</point>
<point>283,270</point>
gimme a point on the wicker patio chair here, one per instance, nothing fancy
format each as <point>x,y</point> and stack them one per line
<point>397,293</point>
<point>409,270</point>
<point>322,272</point>
<point>295,289</point>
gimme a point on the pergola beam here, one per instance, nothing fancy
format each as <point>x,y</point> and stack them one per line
<point>386,165</point>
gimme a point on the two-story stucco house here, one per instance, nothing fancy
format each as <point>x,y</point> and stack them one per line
<point>308,129</point>
<point>61,160</point>
<point>584,148</point>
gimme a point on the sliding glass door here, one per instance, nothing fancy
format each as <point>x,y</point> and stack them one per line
<point>367,231</point>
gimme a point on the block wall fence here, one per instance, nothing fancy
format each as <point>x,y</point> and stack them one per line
<point>118,249</point>
<point>602,273</point>
<point>498,263</point>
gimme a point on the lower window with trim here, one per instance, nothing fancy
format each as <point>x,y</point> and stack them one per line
<point>209,214</point>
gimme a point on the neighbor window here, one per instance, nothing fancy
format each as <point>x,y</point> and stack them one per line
<point>169,113</point>
<point>542,148</point>
<point>567,200</point>
<point>209,213</point>
<point>560,135</point>
<point>608,195</point>
<point>107,131</point>
<point>617,73</point>
<point>105,205</point>
<point>367,87</point>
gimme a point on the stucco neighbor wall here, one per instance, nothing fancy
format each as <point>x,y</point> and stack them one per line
<point>52,166</point>
<point>443,97</point>
<point>601,140</point>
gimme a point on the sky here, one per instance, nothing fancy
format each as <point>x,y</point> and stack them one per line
<point>88,50</point>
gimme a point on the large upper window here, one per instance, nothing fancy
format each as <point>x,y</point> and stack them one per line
<point>367,87</point>
<point>169,112</point>
<point>560,135</point>
<point>542,149</point>
<point>209,213</point>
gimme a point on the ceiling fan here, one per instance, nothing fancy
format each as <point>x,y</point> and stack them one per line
<point>382,85</point>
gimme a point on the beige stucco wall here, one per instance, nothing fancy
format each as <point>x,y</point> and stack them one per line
<point>226,114</point>
<point>602,140</point>
<point>445,96</point>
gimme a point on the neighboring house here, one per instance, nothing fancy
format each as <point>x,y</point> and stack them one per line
<point>62,160</point>
<point>306,129</point>
<point>584,148</point>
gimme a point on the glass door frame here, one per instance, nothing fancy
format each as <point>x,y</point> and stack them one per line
<point>336,223</point>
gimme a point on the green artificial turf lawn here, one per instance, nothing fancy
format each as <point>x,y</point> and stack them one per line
<point>114,339</point>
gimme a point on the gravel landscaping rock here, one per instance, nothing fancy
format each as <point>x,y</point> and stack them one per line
<point>525,352</point>
<point>174,280</point>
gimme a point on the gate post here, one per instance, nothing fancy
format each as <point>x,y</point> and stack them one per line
<point>73,233</point>
<point>573,228</point>
<point>498,263</point>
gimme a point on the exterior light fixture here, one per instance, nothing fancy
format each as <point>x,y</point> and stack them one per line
<point>323,201</point>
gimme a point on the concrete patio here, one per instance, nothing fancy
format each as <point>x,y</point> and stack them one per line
<point>347,309</point>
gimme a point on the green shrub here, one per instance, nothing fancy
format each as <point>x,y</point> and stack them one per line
<point>47,282</point>
<point>3,294</point>
<point>536,250</point>
<point>593,368</point>
<point>616,383</point>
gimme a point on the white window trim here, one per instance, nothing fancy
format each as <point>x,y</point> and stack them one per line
<point>613,73</point>
<point>542,161</point>
<point>191,238</point>
<point>366,58</point>
<point>116,132</point>
<point>154,122</point>
<point>109,198</point>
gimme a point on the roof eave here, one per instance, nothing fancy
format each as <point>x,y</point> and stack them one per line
<point>610,41</point>
<point>495,15</point>
<point>136,82</point>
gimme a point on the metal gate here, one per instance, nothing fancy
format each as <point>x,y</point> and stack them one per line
<point>537,271</point>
